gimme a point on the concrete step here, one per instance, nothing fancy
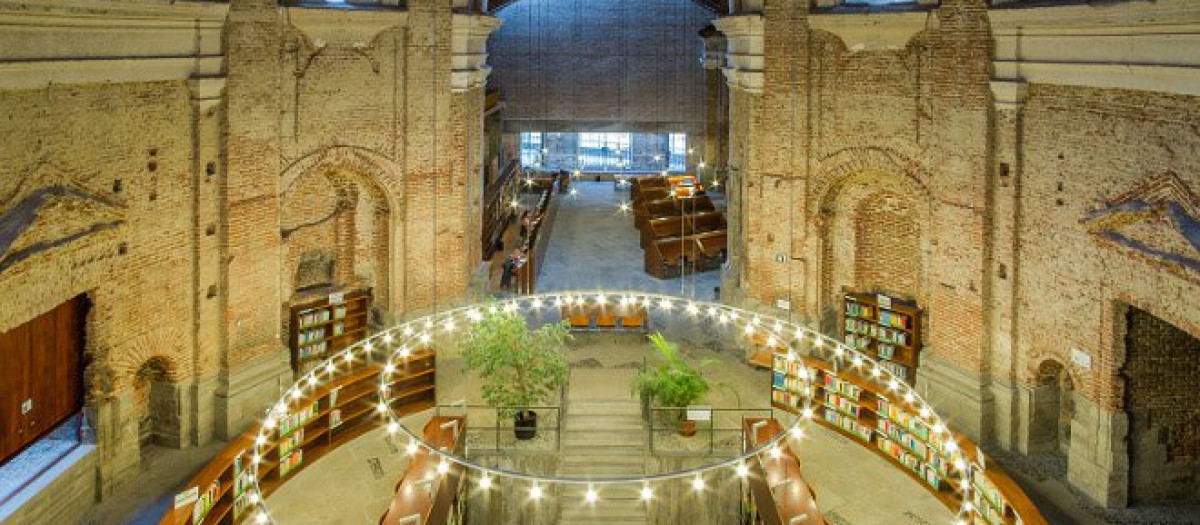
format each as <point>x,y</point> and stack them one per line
<point>580,450</point>
<point>603,511</point>
<point>624,493</point>
<point>601,471</point>
<point>591,408</point>
<point>609,422</point>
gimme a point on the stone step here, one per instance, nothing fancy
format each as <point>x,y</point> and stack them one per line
<point>606,450</point>
<point>569,460</point>
<point>624,493</point>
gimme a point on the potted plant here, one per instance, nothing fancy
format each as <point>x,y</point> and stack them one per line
<point>674,383</point>
<point>518,367</point>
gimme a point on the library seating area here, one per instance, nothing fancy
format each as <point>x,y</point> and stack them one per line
<point>679,228</point>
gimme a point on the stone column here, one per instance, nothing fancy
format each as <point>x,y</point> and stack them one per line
<point>743,76</point>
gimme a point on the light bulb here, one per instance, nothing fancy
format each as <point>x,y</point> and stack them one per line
<point>647,493</point>
<point>331,368</point>
<point>743,470</point>
<point>797,432</point>
<point>698,483</point>
<point>775,452</point>
<point>312,380</point>
<point>392,427</point>
<point>411,448</point>
<point>389,368</point>
<point>443,467</point>
<point>387,338</point>
<point>591,496</point>
<point>261,518</point>
<point>535,492</point>
<point>485,481</point>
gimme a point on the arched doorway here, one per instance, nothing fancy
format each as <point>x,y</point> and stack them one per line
<point>1053,410</point>
<point>155,407</point>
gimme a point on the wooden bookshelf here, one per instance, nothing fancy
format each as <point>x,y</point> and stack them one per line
<point>877,418</point>
<point>322,324</point>
<point>775,492</point>
<point>329,417</point>
<point>886,328</point>
<point>424,494</point>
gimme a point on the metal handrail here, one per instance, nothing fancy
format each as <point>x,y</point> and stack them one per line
<point>654,427</point>
<point>497,428</point>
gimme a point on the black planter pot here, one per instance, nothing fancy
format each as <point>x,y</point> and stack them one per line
<point>525,424</point>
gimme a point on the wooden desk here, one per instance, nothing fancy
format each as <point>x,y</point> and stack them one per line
<point>793,501</point>
<point>607,317</point>
<point>422,491</point>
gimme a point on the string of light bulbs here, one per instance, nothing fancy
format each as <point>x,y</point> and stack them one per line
<point>397,344</point>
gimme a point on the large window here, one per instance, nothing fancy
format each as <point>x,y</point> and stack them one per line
<point>605,152</point>
<point>679,151</point>
<point>531,149</point>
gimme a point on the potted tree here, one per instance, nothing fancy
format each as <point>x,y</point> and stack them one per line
<point>518,367</point>
<point>674,383</point>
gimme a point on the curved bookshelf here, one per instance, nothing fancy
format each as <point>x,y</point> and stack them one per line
<point>331,416</point>
<point>877,418</point>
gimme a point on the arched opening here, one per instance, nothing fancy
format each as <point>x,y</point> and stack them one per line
<point>1053,410</point>
<point>1161,375</point>
<point>155,407</point>
<point>335,228</point>
<point>872,240</point>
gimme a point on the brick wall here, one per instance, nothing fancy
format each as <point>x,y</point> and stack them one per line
<point>1162,374</point>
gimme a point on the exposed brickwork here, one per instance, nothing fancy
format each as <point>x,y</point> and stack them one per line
<point>1162,374</point>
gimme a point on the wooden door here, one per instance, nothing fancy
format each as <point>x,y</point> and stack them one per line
<point>41,380</point>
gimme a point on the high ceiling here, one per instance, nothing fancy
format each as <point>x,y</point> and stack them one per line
<point>718,7</point>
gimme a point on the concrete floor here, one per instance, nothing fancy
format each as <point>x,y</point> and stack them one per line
<point>595,245</point>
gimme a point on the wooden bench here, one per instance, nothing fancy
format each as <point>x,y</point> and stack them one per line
<point>606,317</point>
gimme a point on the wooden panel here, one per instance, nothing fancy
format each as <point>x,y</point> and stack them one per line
<point>43,362</point>
<point>14,381</point>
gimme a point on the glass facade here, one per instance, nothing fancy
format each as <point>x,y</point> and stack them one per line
<point>605,152</point>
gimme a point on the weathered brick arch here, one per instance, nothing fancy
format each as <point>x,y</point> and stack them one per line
<point>167,344</point>
<point>379,169</point>
<point>350,170</point>
<point>846,181</point>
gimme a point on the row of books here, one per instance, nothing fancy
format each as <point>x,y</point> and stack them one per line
<point>780,363</point>
<point>847,423</point>
<point>908,459</point>
<point>791,383</point>
<point>291,441</point>
<point>840,386</point>
<point>854,309</point>
<point>842,405</point>
<point>882,333</point>
<point>895,320</point>
<point>886,351</point>
<point>312,317</point>
<point>909,422</point>
<point>931,455</point>
<point>205,503</point>
<point>308,352</point>
<point>985,489</point>
<point>896,369</point>
<point>291,462</point>
<point>785,398</point>
<point>296,419</point>
<point>309,336</point>
<point>240,505</point>
<point>859,342</point>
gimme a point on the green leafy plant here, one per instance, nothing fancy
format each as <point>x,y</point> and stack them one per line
<point>518,367</point>
<point>674,382</point>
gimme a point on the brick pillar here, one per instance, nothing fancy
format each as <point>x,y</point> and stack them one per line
<point>954,366</point>
<point>344,233</point>
<point>716,108</point>
<point>254,359</point>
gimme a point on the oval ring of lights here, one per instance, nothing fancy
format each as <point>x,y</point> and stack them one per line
<point>395,343</point>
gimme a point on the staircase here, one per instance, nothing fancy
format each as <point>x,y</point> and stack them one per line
<point>603,438</point>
